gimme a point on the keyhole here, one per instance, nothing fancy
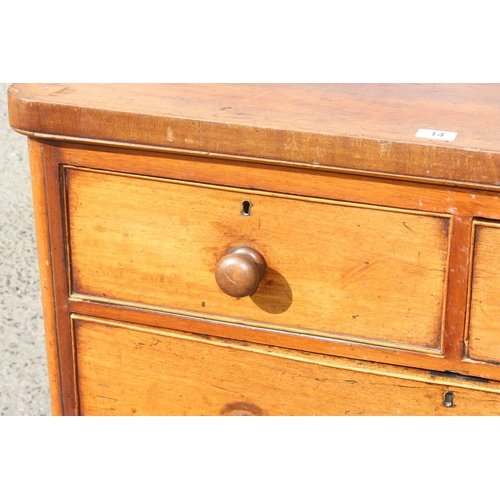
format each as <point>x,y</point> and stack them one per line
<point>448,399</point>
<point>245,208</point>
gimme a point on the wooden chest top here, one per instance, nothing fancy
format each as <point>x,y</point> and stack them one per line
<point>365,127</point>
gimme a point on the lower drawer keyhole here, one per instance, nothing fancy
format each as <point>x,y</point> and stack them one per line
<point>448,399</point>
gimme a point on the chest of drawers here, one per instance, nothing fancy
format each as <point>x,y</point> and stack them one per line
<point>267,249</point>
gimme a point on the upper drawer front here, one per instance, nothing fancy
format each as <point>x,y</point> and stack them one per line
<point>484,323</point>
<point>338,270</point>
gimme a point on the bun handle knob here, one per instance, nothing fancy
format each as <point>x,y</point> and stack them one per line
<point>239,272</point>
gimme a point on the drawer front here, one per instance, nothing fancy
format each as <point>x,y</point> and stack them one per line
<point>484,322</point>
<point>338,270</point>
<point>130,370</point>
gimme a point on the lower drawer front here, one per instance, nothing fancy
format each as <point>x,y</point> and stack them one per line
<point>130,370</point>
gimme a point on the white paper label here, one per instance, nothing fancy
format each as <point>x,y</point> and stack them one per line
<point>425,133</point>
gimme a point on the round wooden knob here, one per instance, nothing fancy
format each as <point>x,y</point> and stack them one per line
<point>239,272</point>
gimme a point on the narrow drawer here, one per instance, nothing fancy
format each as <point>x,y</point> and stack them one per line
<point>133,370</point>
<point>354,272</point>
<point>484,315</point>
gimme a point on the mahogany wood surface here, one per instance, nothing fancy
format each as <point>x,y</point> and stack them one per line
<point>344,271</point>
<point>368,127</point>
<point>38,184</point>
<point>59,264</point>
<point>446,199</point>
<point>380,247</point>
<point>454,201</point>
<point>132,370</point>
<point>484,323</point>
<point>304,343</point>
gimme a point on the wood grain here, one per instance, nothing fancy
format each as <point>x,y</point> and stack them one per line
<point>59,267</point>
<point>362,127</point>
<point>380,246</point>
<point>45,268</point>
<point>317,182</point>
<point>127,370</point>
<point>340,270</point>
<point>458,286</point>
<point>484,322</point>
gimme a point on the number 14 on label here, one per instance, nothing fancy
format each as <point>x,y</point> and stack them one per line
<point>436,134</point>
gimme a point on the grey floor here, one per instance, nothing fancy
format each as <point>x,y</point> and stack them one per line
<point>23,365</point>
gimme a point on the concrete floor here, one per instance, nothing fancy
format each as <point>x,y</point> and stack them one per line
<point>24,386</point>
